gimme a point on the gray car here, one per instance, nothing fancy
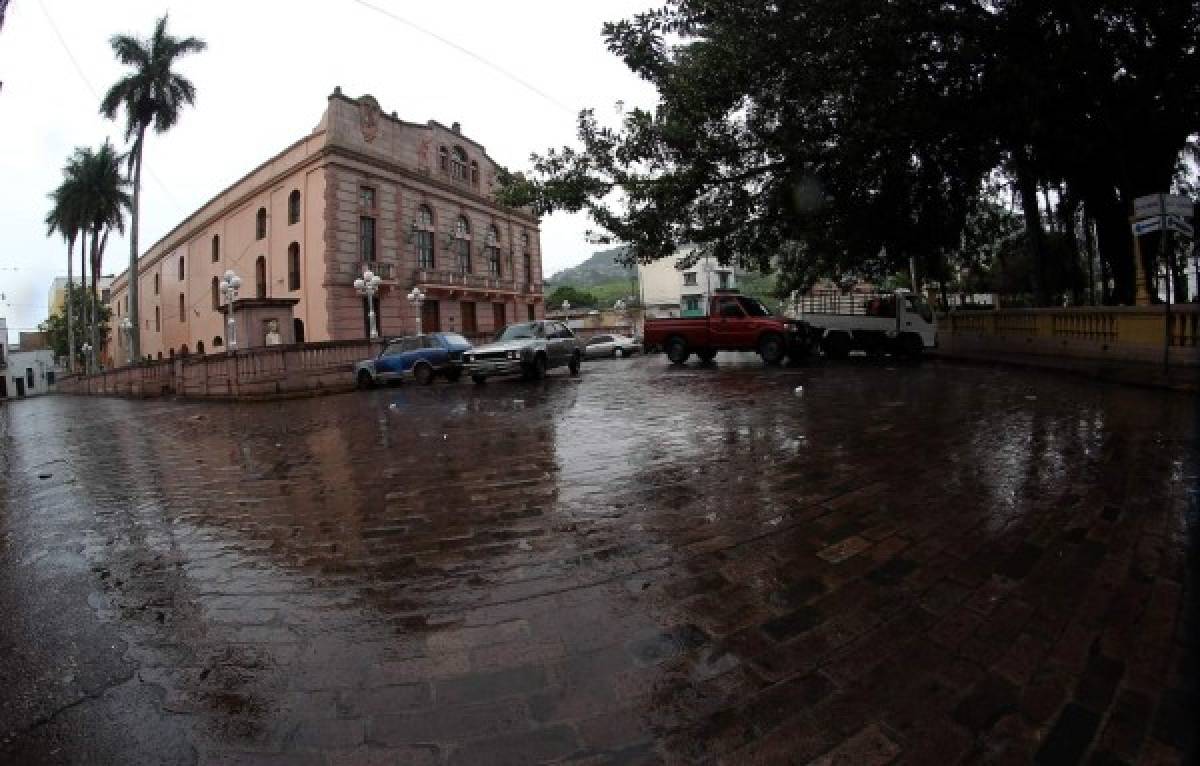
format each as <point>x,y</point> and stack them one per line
<point>527,349</point>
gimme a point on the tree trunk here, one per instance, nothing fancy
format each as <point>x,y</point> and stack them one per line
<point>1115,242</point>
<point>95,300</point>
<point>67,303</point>
<point>135,333</point>
<point>1035,235</point>
<point>88,319</point>
<point>1089,243</point>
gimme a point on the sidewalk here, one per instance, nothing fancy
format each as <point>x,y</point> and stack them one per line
<point>1177,377</point>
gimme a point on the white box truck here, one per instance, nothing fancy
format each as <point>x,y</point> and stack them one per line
<point>897,322</point>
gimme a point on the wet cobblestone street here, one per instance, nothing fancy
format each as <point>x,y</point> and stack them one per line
<point>913,564</point>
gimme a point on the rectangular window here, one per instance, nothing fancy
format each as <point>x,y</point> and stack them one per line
<point>723,280</point>
<point>493,260</point>
<point>29,378</point>
<point>691,303</point>
<point>181,316</point>
<point>366,197</point>
<point>366,239</point>
<point>689,278</point>
<point>425,249</point>
<point>294,268</point>
<point>464,256</point>
<point>468,318</point>
<point>157,320</point>
<point>499,316</point>
<point>532,313</point>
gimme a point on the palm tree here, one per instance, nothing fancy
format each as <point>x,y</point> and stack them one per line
<point>151,94</point>
<point>65,218</point>
<point>105,204</point>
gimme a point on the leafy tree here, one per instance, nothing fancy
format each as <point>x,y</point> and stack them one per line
<point>152,94</point>
<point>577,298</point>
<point>842,137</point>
<point>79,300</point>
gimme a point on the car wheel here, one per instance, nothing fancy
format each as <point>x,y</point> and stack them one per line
<point>618,353</point>
<point>365,380</point>
<point>677,350</point>
<point>479,379</point>
<point>538,370</point>
<point>453,374</point>
<point>423,374</point>
<point>771,349</point>
<point>574,364</point>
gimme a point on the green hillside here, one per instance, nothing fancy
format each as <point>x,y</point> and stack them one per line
<point>600,268</point>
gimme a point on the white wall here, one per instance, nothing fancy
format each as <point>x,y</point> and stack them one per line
<point>663,282</point>
<point>21,362</point>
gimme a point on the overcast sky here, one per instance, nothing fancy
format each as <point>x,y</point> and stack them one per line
<point>262,84</point>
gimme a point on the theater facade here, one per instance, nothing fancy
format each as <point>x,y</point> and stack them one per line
<point>365,190</point>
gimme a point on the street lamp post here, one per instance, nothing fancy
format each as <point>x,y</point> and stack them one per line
<point>368,285</point>
<point>127,331</point>
<point>86,348</point>
<point>230,284</point>
<point>416,298</point>
<point>566,306</point>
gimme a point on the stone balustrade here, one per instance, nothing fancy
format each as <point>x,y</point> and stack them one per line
<point>294,370</point>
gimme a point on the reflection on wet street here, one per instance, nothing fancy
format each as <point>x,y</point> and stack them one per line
<point>863,562</point>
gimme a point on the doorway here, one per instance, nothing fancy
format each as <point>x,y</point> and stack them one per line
<point>469,326</point>
<point>431,320</point>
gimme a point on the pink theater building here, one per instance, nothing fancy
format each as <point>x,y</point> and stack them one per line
<point>365,190</point>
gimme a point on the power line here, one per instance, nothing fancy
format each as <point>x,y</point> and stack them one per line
<point>467,52</point>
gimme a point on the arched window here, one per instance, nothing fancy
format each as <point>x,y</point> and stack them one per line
<point>216,294</point>
<point>294,266</point>
<point>424,234</point>
<point>444,159</point>
<point>199,347</point>
<point>182,273</point>
<point>298,330</point>
<point>294,206</point>
<point>474,173</point>
<point>458,164</point>
<point>492,252</point>
<point>462,241</point>
<point>181,308</point>
<point>260,224</point>
<point>216,248</point>
<point>217,341</point>
<point>260,277</point>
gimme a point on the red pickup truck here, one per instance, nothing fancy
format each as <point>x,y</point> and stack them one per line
<point>733,323</point>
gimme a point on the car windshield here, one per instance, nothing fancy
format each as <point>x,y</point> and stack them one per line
<point>454,339</point>
<point>754,308</point>
<point>518,331</point>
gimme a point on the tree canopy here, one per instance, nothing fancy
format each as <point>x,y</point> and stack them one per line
<point>825,137</point>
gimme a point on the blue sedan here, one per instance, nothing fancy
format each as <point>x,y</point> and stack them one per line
<point>420,357</point>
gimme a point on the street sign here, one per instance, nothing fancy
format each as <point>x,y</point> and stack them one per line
<point>1147,226</point>
<point>1176,223</point>
<point>1159,204</point>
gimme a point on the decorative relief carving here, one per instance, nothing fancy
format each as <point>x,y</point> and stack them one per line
<point>368,117</point>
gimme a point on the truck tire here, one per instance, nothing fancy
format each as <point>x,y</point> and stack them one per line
<point>772,349</point>
<point>836,345</point>
<point>677,350</point>
<point>911,345</point>
<point>536,370</point>
<point>706,355</point>
<point>574,364</point>
<point>423,374</point>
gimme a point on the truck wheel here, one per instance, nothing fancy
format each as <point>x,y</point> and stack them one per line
<point>771,349</point>
<point>911,345</point>
<point>365,380</point>
<point>574,364</point>
<point>836,345</point>
<point>707,355</point>
<point>677,350</point>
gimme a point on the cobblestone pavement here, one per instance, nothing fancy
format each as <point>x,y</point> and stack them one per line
<point>910,564</point>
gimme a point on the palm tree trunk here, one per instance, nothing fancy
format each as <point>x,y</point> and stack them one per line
<point>67,303</point>
<point>95,301</point>
<point>86,318</point>
<point>135,334</point>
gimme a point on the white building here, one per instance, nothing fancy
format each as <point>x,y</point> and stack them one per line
<point>671,289</point>
<point>24,373</point>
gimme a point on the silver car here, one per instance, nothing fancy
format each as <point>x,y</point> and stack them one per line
<point>611,345</point>
<point>527,349</point>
